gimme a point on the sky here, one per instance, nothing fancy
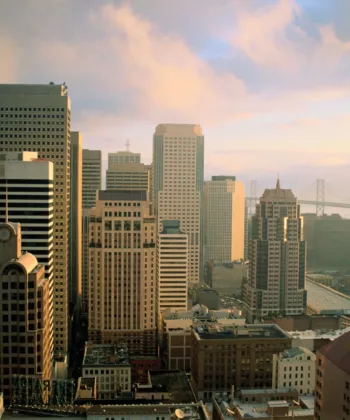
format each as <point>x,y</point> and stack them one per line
<point>268,80</point>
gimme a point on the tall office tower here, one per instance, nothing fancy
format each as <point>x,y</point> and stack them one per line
<point>172,267</point>
<point>128,177</point>
<point>277,257</point>
<point>92,182</point>
<point>75,281</point>
<point>178,165</point>
<point>224,203</point>
<point>92,176</point>
<point>26,191</point>
<point>122,271</point>
<point>37,118</point>
<point>26,312</point>
<point>123,157</point>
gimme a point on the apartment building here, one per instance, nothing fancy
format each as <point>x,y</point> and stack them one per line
<point>178,171</point>
<point>37,118</point>
<point>110,365</point>
<point>332,395</point>
<point>224,219</point>
<point>295,368</point>
<point>239,355</point>
<point>26,313</point>
<point>172,267</point>
<point>277,259</point>
<point>122,271</point>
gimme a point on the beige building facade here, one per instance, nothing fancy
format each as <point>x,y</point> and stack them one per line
<point>178,171</point>
<point>26,334</point>
<point>92,176</point>
<point>295,368</point>
<point>224,213</point>
<point>123,156</point>
<point>128,177</point>
<point>37,118</point>
<point>122,271</point>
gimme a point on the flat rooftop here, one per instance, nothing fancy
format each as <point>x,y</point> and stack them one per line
<point>267,391</point>
<point>219,332</point>
<point>324,300</point>
<point>105,355</point>
<point>318,334</point>
<point>295,352</point>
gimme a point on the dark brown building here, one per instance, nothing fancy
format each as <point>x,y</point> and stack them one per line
<point>332,393</point>
<point>26,313</point>
<point>239,356</point>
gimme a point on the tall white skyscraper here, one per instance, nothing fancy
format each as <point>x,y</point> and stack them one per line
<point>172,267</point>
<point>224,204</point>
<point>37,118</point>
<point>277,257</point>
<point>178,166</point>
<point>26,189</point>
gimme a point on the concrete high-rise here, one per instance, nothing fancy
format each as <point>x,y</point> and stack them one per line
<point>178,167</point>
<point>75,282</point>
<point>123,157</point>
<point>172,267</point>
<point>26,195</point>
<point>37,118</point>
<point>122,271</point>
<point>26,313</point>
<point>92,182</point>
<point>277,257</point>
<point>92,176</point>
<point>224,219</point>
<point>128,177</point>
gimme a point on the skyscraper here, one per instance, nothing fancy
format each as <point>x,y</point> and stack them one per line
<point>277,257</point>
<point>75,283</point>
<point>224,204</point>
<point>26,312</point>
<point>128,177</point>
<point>92,181</point>
<point>178,160</point>
<point>37,118</point>
<point>123,157</point>
<point>172,267</point>
<point>26,190</point>
<point>122,271</point>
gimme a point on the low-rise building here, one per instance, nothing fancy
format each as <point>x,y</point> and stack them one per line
<point>332,393</point>
<point>86,390</point>
<point>315,339</point>
<point>264,395</point>
<point>295,368</point>
<point>240,355</point>
<point>110,365</point>
<point>275,408</point>
<point>175,332</point>
<point>193,411</point>
<point>141,365</point>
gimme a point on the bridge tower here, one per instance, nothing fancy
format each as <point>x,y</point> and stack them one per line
<point>320,197</point>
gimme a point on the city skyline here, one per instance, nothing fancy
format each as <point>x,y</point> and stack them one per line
<point>289,98</point>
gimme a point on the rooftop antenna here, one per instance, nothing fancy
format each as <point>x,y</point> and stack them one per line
<point>6,205</point>
<point>127,144</point>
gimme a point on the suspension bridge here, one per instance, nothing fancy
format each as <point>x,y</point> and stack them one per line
<point>319,202</point>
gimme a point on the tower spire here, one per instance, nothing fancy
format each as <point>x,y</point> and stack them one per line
<point>278,185</point>
<point>127,144</point>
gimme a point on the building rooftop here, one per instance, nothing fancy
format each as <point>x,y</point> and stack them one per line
<point>323,299</point>
<point>296,352</point>
<point>105,355</point>
<point>194,411</point>
<point>219,332</point>
<point>179,130</point>
<point>115,195</point>
<point>267,391</point>
<point>171,227</point>
<point>223,178</point>
<point>174,383</point>
<point>318,334</point>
